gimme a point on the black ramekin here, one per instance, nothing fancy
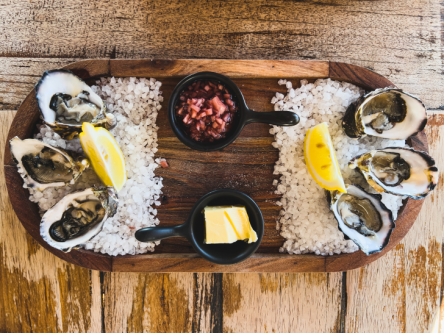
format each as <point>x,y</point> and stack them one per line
<point>242,117</point>
<point>194,228</point>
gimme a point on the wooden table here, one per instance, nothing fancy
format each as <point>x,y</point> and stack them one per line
<point>398,293</point>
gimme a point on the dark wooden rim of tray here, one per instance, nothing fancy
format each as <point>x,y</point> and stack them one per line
<point>27,212</point>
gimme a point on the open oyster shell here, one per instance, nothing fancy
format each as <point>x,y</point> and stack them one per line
<point>399,171</point>
<point>362,217</point>
<point>42,165</point>
<point>387,113</point>
<point>78,217</point>
<point>66,101</point>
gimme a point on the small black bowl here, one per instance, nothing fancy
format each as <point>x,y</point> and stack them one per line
<point>194,228</point>
<point>242,117</point>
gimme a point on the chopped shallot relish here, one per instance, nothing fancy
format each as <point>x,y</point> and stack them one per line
<point>207,110</point>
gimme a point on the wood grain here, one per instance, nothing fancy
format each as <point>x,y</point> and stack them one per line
<point>232,68</point>
<point>180,302</point>
<point>191,262</point>
<point>282,302</point>
<point>401,43</point>
<point>38,291</point>
<point>19,75</point>
<point>222,302</point>
<point>352,73</point>
<point>246,165</point>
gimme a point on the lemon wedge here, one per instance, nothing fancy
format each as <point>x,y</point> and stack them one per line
<point>105,155</point>
<point>321,160</point>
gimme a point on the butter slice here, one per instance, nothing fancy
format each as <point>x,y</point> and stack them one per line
<point>241,223</point>
<point>217,226</point>
<point>222,221</point>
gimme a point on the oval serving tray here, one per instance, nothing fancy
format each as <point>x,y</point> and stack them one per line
<point>246,165</point>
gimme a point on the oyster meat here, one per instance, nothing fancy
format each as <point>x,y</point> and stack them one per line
<point>42,165</point>
<point>362,217</point>
<point>65,102</point>
<point>399,171</point>
<point>387,113</point>
<point>78,217</point>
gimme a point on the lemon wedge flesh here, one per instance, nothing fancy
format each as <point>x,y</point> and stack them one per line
<point>321,160</point>
<point>105,155</point>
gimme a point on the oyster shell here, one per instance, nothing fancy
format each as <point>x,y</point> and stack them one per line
<point>66,101</point>
<point>41,165</point>
<point>78,217</point>
<point>362,217</point>
<point>387,113</point>
<point>399,171</point>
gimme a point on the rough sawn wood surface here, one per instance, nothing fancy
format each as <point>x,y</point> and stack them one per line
<point>398,293</point>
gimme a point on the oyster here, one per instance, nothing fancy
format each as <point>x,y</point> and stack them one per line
<point>399,171</point>
<point>65,102</point>
<point>78,217</point>
<point>42,165</point>
<point>362,217</point>
<point>387,113</point>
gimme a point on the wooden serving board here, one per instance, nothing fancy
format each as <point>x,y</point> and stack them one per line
<point>246,165</point>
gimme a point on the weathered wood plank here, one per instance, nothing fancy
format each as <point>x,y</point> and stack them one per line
<point>197,302</point>
<point>424,254</point>
<point>282,302</point>
<point>19,75</point>
<point>40,292</point>
<point>182,302</point>
<point>400,42</point>
<point>400,292</point>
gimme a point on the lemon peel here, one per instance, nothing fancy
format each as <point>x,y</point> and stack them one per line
<point>320,159</point>
<point>105,155</point>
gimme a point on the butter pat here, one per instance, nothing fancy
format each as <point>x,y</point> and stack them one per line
<point>218,229</point>
<point>238,218</point>
<point>228,224</point>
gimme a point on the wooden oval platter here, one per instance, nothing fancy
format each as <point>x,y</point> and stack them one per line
<point>246,165</point>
